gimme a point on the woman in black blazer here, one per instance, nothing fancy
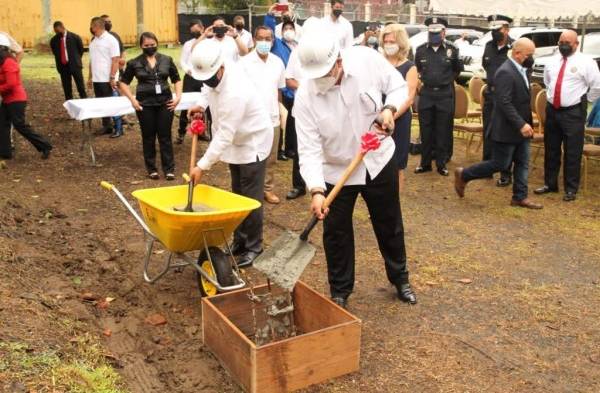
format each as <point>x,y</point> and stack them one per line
<point>153,102</point>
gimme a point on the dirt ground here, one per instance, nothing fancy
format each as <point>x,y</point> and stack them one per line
<point>509,299</point>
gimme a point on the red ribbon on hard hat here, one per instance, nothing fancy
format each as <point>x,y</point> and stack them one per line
<point>197,127</point>
<point>369,141</point>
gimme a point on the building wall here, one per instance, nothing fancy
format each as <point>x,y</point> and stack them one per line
<point>24,19</point>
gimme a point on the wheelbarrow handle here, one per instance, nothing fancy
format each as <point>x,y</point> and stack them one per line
<point>125,202</point>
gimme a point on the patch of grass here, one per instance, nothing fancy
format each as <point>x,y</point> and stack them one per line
<point>81,369</point>
<point>541,300</point>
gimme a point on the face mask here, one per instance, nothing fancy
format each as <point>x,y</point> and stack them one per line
<point>565,50</point>
<point>372,41</point>
<point>150,51</point>
<point>196,34</point>
<point>391,49</point>
<point>108,26</point>
<point>289,35</point>
<point>220,31</point>
<point>263,47</point>
<point>435,39</point>
<point>497,35</point>
<point>325,83</point>
<point>528,62</point>
<point>213,81</point>
<point>337,13</point>
<point>239,26</point>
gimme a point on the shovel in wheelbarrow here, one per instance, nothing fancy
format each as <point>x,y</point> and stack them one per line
<point>284,262</point>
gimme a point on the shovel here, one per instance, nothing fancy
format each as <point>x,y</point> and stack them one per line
<point>284,262</point>
<point>188,208</point>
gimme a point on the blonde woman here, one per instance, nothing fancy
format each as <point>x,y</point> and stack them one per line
<point>395,47</point>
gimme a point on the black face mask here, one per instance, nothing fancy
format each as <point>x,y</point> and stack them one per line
<point>528,62</point>
<point>220,31</point>
<point>337,13</point>
<point>150,51</point>
<point>497,35</point>
<point>565,50</point>
<point>435,39</point>
<point>239,26</point>
<point>108,26</point>
<point>213,81</point>
<point>196,34</point>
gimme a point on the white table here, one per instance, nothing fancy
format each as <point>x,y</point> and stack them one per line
<point>87,109</point>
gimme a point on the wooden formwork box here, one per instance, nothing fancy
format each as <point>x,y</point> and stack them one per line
<point>328,345</point>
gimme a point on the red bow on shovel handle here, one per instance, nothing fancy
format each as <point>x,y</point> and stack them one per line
<point>369,141</point>
<point>197,127</point>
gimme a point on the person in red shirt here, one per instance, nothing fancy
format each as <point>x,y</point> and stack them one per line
<point>14,101</point>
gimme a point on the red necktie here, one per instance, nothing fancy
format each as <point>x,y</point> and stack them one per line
<point>63,51</point>
<point>558,87</point>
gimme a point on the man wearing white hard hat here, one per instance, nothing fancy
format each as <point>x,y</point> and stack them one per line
<point>242,137</point>
<point>338,101</point>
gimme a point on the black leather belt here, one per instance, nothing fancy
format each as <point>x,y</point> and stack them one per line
<point>436,88</point>
<point>565,108</point>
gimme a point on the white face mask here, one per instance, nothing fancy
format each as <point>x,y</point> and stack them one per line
<point>325,83</point>
<point>289,35</point>
<point>391,49</point>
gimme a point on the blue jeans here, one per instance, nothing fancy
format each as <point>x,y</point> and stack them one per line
<point>503,154</point>
<point>117,119</point>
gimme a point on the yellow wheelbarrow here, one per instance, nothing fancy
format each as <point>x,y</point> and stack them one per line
<point>183,232</point>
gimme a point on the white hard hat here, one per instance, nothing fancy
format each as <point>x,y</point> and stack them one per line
<point>4,41</point>
<point>206,59</point>
<point>317,51</point>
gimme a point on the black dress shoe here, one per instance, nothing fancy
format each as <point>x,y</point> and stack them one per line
<point>282,157</point>
<point>247,258</point>
<point>204,138</point>
<point>45,154</point>
<point>569,196</point>
<point>503,182</point>
<point>423,169</point>
<point>406,294</point>
<point>543,190</point>
<point>443,171</point>
<point>237,249</point>
<point>340,301</point>
<point>295,193</point>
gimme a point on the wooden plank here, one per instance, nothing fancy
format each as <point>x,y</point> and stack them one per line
<point>228,344</point>
<point>308,359</point>
<point>313,311</point>
<point>237,307</point>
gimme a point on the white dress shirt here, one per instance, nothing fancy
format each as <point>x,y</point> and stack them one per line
<point>294,68</point>
<point>522,70</point>
<point>247,38</point>
<point>581,74</point>
<point>230,48</point>
<point>241,127</point>
<point>297,28</point>
<point>268,77</point>
<point>330,125</point>
<point>102,50</point>
<point>342,28</point>
<point>186,53</point>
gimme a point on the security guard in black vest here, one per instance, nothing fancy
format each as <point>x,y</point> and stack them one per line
<point>495,53</point>
<point>438,66</point>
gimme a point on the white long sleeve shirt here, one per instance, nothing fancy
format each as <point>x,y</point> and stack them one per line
<point>268,77</point>
<point>186,53</point>
<point>330,125</point>
<point>581,75</point>
<point>342,28</point>
<point>241,128</point>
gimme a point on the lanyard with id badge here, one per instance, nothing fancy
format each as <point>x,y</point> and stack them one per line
<point>157,88</point>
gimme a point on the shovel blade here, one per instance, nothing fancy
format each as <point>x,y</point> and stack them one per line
<point>284,262</point>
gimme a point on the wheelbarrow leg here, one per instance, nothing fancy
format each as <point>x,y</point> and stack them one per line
<point>167,266</point>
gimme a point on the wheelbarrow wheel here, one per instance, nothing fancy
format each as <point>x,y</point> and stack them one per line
<point>223,271</point>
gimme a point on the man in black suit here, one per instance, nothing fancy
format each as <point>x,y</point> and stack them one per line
<point>511,128</point>
<point>68,49</point>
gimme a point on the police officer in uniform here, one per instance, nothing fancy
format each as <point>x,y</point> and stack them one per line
<point>438,65</point>
<point>495,53</point>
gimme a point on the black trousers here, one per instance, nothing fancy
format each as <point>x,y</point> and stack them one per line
<point>436,121</point>
<point>488,143</point>
<point>103,89</point>
<point>156,122</point>
<point>14,113</point>
<point>66,76</point>
<point>249,180</point>
<point>189,85</point>
<point>291,144</point>
<point>566,128</point>
<point>383,201</point>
